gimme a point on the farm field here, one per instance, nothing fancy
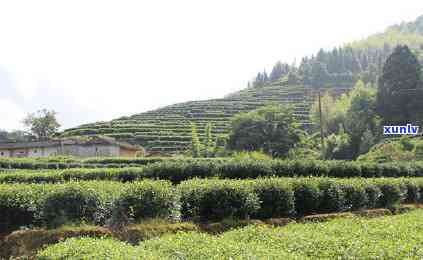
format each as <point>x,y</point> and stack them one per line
<point>187,194</point>
<point>390,237</point>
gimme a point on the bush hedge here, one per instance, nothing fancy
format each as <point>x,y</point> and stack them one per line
<point>286,197</point>
<point>178,171</point>
<point>62,162</point>
<point>198,199</point>
<point>92,202</point>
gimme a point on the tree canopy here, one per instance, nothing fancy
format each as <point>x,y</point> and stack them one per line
<point>272,129</point>
<point>42,124</point>
<point>400,90</point>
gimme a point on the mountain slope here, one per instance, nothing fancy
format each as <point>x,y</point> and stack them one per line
<point>168,129</point>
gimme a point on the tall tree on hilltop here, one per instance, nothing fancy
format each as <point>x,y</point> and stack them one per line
<point>400,90</point>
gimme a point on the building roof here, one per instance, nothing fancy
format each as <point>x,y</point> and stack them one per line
<point>87,141</point>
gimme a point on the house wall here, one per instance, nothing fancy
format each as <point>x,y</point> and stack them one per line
<point>50,151</point>
<point>73,150</point>
<point>91,151</point>
<point>19,153</point>
<point>4,153</point>
<point>42,152</point>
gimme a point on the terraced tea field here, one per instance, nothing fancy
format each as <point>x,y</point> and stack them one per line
<point>168,130</point>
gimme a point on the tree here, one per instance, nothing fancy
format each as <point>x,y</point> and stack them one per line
<point>42,124</point>
<point>195,142</point>
<point>400,90</point>
<point>361,117</point>
<point>15,136</point>
<point>272,129</point>
<point>333,112</point>
<point>353,114</point>
<point>337,146</point>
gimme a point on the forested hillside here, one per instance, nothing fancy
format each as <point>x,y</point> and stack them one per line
<point>344,65</point>
<point>168,130</point>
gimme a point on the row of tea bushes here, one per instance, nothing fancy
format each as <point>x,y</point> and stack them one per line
<point>284,197</point>
<point>207,199</point>
<point>93,202</point>
<point>101,162</point>
<point>177,171</point>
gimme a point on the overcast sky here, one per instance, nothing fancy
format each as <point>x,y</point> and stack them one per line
<point>98,60</point>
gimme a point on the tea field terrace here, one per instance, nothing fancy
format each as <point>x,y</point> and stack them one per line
<point>168,130</point>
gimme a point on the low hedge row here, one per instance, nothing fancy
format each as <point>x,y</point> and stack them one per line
<point>92,202</point>
<point>177,171</point>
<point>282,197</point>
<point>198,199</point>
<point>69,163</point>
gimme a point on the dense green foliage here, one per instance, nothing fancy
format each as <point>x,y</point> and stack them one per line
<point>206,199</point>
<point>97,162</point>
<point>229,169</point>
<point>350,123</point>
<point>395,149</point>
<point>14,136</point>
<point>390,237</point>
<point>42,124</point>
<point>93,202</point>
<point>400,91</point>
<point>272,129</point>
<point>343,66</point>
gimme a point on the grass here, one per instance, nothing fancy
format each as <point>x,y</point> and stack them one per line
<point>390,237</point>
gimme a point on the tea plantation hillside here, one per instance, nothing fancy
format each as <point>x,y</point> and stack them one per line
<point>168,130</point>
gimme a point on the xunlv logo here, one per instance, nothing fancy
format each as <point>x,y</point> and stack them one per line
<point>409,129</point>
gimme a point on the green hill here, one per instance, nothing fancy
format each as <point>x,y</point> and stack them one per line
<point>168,129</point>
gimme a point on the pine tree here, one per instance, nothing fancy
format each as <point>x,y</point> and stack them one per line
<point>195,142</point>
<point>400,90</point>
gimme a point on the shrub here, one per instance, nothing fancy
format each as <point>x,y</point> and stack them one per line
<point>276,198</point>
<point>307,197</point>
<point>69,204</point>
<point>369,170</point>
<point>147,199</point>
<point>356,197</point>
<point>373,195</point>
<point>333,197</point>
<point>217,199</point>
<point>344,169</point>
<point>413,192</point>
<point>245,169</point>
<point>180,171</point>
<point>391,194</point>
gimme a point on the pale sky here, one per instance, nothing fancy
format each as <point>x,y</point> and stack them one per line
<point>99,60</point>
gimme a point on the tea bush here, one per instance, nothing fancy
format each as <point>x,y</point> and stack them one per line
<point>199,199</point>
<point>217,199</point>
<point>147,199</point>
<point>69,204</point>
